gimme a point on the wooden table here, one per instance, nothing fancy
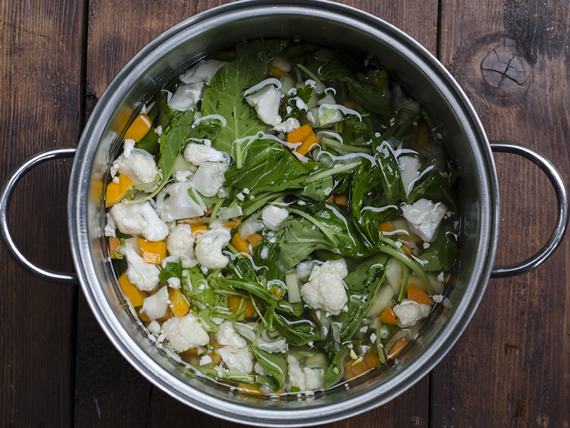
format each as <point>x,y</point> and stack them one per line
<point>511,368</point>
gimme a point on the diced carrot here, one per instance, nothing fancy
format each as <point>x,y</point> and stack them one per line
<point>351,104</point>
<point>396,348</point>
<point>234,303</point>
<point>447,278</point>
<point>329,200</point>
<point>308,145</point>
<point>341,200</point>
<point>142,316</point>
<point>216,358</point>
<point>421,136</point>
<point>152,251</point>
<point>114,245</point>
<point>239,244</point>
<point>242,387</point>
<point>233,224</point>
<point>192,351</point>
<point>139,128</point>
<point>416,238</point>
<point>116,192</point>
<point>386,226</point>
<point>277,72</point>
<point>369,361</point>
<point>306,137</point>
<point>256,237</point>
<point>179,304</point>
<point>131,292</point>
<point>388,316</point>
<point>418,295</point>
<point>407,250</point>
<point>198,228</point>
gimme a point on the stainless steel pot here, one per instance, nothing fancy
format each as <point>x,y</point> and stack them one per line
<point>326,24</point>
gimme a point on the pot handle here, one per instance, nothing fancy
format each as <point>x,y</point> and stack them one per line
<point>6,195</point>
<point>561,196</point>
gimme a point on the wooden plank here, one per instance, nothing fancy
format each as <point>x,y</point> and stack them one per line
<point>109,392</point>
<point>511,366</point>
<point>40,76</point>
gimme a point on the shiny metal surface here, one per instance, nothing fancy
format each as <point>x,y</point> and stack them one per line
<point>6,196</point>
<point>324,23</point>
<point>562,199</point>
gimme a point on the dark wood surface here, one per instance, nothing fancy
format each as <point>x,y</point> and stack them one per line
<point>511,367</point>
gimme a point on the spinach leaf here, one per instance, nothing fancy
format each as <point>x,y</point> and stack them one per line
<point>267,266</point>
<point>335,372</point>
<point>362,285</point>
<point>172,270</point>
<point>260,53</point>
<point>149,143</point>
<point>295,309</point>
<point>434,187</point>
<point>172,147</point>
<point>327,255</point>
<point>165,114</point>
<point>318,190</point>
<point>274,364</point>
<point>369,96</point>
<point>273,169</point>
<point>208,129</point>
<point>252,287</point>
<point>296,239</point>
<point>291,109</point>
<point>225,97</point>
<point>196,288</point>
<point>390,174</point>
<point>296,331</point>
<point>430,261</point>
<point>446,248</point>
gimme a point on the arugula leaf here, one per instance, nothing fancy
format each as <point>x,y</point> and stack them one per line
<point>362,285</point>
<point>295,309</point>
<point>274,364</point>
<point>296,331</point>
<point>390,174</point>
<point>174,141</point>
<point>166,113</point>
<point>196,288</point>
<point>273,168</point>
<point>252,287</point>
<point>267,266</point>
<point>296,239</point>
<point>318,190</point>
<point>335,372</point>
<point>225,97</point>
<point>172,270</point>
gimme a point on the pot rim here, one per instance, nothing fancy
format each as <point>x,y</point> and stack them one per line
<point>78,216</point>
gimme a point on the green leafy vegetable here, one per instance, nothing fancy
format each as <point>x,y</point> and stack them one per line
<point>172,270</point>
<point>274,364</point>
<point>390,174</point>
<point>296,331</point>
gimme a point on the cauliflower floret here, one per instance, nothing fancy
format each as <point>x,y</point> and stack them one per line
<point>295,374</point>
<point>266,103</point>
<point>314,378</point>
<point>197,154</point>
<point>325,290</point>
<point>174,203</point>
<point>111,226</point>
<point>181,243</point>
<point>156,305</point>
<point>138,165</point>
<point>260,370</point>
<point>273,216</point>
<point>304,270</point>
<point>424,218</point>
<point>154,327</point>
<point>203,71</point>
<point>409,313</point>
<point>210,177</point>
<point>144,276</point>
<point>187,96</point>
<point>288,126</point>
<point>252,225</point>
<point>238,360</point>
<point>209,248</point>
<point>409,171</point>
<point>185,333</point>
<point>227,336</point>
<point>139,219</point>
<point>173,283</point>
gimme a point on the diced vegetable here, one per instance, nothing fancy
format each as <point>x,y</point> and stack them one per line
<point>302,140</point>
<point>253,238</point>
<point>397,348</point>
<point>114,246</point>
<point>277,72</point>
<point>116,192</point>
<point>240,245</point>
<point>389,317</point>
<point>178,303</point>
<point>131,292</point>
<point>418,295</point>
<point>152,252</point>
<point>139,128</point>
<point>234,303</point>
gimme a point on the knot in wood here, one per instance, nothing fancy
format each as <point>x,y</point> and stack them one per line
<point>505,72</point>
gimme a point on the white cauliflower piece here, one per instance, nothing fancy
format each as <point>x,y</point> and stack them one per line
<point>173,283</point>
<point>156,305</point>
<point>304,270</point>
<point>273,216</point>
<point>227,336</point>
<point>181,243</point>
<point>288,126</point>
<point>174,203</point>
<point>424,218</point>
<point>238,360</point>
<point>209,248</point>
<point>409,171</point>
<point>144,276</point>
<point>281,64</point>
<point>139,219</point>
<point>202,71</point>
<point>187,96</point>
<point>266,103</point>
<point>260,370</point>
<point>314,378</point>
<point>154,327</point>
<point>326,290</point>
<point>252,225</point>
<point>295,374</point>
<point>409,313</point>
<point>111,226</point>
<point>185,333</point>
<point>210,177</point>
<point>138,165</point>
<point>197,154</point>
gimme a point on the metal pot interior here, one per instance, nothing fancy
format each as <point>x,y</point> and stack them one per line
<point>329,25</point>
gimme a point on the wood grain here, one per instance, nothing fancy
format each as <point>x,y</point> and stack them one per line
<point>510,368</point>
<point>109,392</point>
<point>40,82</point>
